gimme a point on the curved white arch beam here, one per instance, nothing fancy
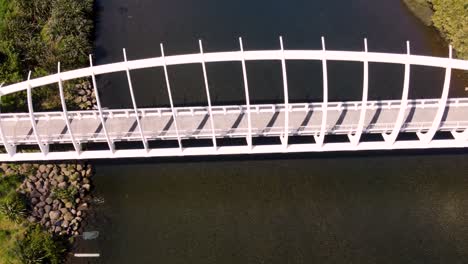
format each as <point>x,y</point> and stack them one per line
<point>429,135</point>
<point>247,96</point>
<point>135,107</point>
<point>110,143</point>
<point>391,138</point>
<point>168,86</point>
<point>247,56</point>
<point>207,89</point>
<point>10,148</point>
<point>76,145</point>
<point>356,137</point>
<point>43,147</point>
<point>285,137</point>
<point>323,128</point>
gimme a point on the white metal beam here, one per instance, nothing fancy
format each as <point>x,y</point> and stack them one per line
<point>247,96</point>
<point>110,142</point>
<point>168,86</point>
<point>285,137</point>
<point>135,107</point>
<point>356,137</point>
<point>76,145</point>
<point>210,110</point>
<point>429,135</point>
<point>391,138</point>
<point>43,146</point>
<point>236,150</point>
<point>10,148</point>
<point>249,56</point>
<point>323,128</point>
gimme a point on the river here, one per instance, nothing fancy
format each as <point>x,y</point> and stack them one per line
<point>375,207</point>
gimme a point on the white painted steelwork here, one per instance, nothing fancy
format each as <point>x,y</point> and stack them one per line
<point>389,118</point>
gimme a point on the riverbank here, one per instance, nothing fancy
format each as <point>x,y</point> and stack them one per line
<point>449,17</point>
<point>42,206</point>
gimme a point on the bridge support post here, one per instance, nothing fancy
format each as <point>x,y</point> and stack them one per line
<point>355,138</point>
<point>10,148</point>
<point>135,107</point>
<point>427,137</point>
<point>76,145</point>
<point>391,138</point>
<point>247,96</point>
<point>285,137</point>
<point>43,146</point>
<point>207,88</point>
<point>319,140</point>
<point>98,102</point>
<point>168,86</point>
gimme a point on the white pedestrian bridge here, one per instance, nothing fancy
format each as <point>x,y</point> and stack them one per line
<point>313,122</point>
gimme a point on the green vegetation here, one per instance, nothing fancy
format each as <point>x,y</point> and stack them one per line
<point>22,242</point>
<point>66,195</point>
<point>35,35</point>
<point>13,208</point>
<point>37,246</point>
<point>449,17</point>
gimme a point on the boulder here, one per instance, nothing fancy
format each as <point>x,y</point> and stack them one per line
<point>87,187</point>
<point>62,185</point>
<point>32,178</point>
<point>34,200</point>
<point>53,182</point>
<point>49,200</point>
<point>47,209</point>
<point>65,224</point>
<point>79,167</point>
<point>68,205</point>
<point>82,207</point>
<point>66,172</point>
<point>54,215</point>
<point>42,168</point>
<point>41,211</point>
<point>40,204</point>
<point>68,217</point>
<point>64,210</point>
<point>60,178</point>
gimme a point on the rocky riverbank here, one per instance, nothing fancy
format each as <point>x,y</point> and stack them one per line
<point>57,195</point>
<point>83,96</point>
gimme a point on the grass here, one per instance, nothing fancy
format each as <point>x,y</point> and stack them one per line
<point>9,230</point>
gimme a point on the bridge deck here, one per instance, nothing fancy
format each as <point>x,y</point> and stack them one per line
<point>231,121</point>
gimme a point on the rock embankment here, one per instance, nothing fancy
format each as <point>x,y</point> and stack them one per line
<point>58,194</point>
<point>84,96</point>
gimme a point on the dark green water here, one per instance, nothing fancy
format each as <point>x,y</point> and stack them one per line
<point>392,207</point>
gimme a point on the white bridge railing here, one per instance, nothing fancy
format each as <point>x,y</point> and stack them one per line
<point>390,132</point>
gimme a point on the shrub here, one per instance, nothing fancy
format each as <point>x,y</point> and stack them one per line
<point>14,208</point>
<point>451,18</point>
<point>66,195</point>
<point>9,183</point>
<point>37,246</point>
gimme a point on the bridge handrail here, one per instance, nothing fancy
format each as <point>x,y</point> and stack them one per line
<point>202,110</point>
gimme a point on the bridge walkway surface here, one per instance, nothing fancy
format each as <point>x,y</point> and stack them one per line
<point>231,121</point>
